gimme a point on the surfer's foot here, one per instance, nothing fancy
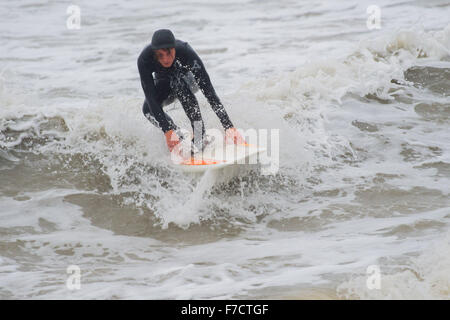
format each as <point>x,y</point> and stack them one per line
<point>180,134</point>
<point>200,144</point>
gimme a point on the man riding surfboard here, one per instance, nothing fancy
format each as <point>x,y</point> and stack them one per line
<point>170,69</point>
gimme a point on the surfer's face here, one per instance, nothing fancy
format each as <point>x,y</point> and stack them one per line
<point>165,56</point>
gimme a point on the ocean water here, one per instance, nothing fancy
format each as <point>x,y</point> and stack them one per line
<point>364,155</point>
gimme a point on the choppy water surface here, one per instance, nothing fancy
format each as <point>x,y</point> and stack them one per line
<point>364,175</point>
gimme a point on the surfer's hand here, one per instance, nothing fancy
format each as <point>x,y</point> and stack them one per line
<point>233,136</point>
<point>172,139</point>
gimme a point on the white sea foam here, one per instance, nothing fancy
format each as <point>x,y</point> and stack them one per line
<point>423,277</point>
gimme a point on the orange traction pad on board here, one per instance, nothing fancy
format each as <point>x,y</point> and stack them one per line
<point>200,162</point>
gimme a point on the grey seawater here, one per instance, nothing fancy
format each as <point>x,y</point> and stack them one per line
<point>364,171</point>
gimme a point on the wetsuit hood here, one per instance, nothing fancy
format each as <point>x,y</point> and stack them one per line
<point>163,39</point>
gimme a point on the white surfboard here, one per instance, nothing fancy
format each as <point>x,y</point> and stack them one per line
<point>219,155</point>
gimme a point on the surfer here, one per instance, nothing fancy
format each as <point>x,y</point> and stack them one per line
<point>170,69</point>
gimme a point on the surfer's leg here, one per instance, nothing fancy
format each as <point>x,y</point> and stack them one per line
<point>190,80</point>
<point>164,95</point>
<point>190,105</point>
<point>149,115</point>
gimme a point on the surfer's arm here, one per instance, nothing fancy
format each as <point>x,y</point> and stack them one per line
<point>148,85</point>
<point>205,85</point>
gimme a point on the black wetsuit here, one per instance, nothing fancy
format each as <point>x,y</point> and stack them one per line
<point>173,82</point>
